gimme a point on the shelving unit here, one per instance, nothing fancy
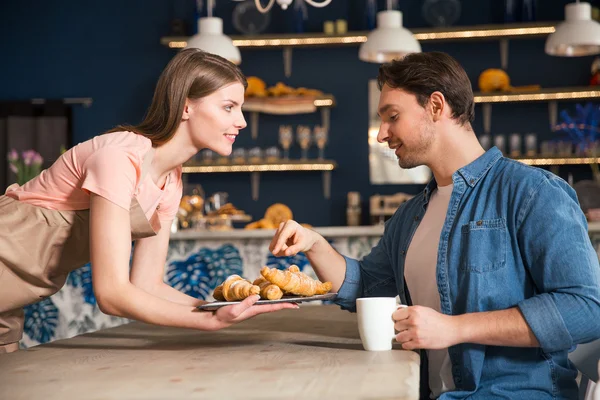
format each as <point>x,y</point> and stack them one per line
<point>255,169</point>
<point>555,161</point>
<point>287,42</point>
<point>476,32</point>
<point>551,95</point>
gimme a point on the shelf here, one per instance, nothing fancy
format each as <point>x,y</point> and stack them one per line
<point>324,166</point>
<point>477,32</point>
<point>551,161</point>
<point>550,94</point>
<point>315,165</point>
<point>281,106</point>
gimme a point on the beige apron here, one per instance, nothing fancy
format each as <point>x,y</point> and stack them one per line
<point>38,249</point>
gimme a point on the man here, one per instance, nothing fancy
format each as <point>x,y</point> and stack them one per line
<point>493,255</point>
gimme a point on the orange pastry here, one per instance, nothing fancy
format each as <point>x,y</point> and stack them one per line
<point>267,289</point>
<point>237,288</point>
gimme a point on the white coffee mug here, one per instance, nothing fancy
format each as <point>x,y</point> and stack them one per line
<point>375,323</point>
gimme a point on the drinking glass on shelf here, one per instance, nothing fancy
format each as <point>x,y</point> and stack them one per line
<point>565,148</point>
<point>548,148</point>
<point>272,154</point>
<point>531,144</point>
<point>593,148</point>
<point>239,156</point>
<point>255,155</point>
<point>500,143</point>
<point>207,156</point>
<point>515,145</point>
<point>485,141</point>
<point>303,139</point>
<point>320,134</point>
<point>285,139</point>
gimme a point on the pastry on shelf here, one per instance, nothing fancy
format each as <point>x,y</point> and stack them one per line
<point>268,290</point>
<point>294,282</point>
<point>278,213</point>
<point>302,91</point>
<point>260,224</point>
<point>280,98</point>
<point>280,89</point>
<point>229,209</point>
<point>256,87</point>
<point>236,288</point>
<point>274,215</point>
<point>496,80</point>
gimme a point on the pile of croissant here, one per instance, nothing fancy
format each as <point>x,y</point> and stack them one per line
<point>273,284</point>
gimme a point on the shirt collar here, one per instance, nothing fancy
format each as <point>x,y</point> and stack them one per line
<point>470,173</point>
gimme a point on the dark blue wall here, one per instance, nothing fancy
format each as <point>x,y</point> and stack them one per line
<point>110,51</point>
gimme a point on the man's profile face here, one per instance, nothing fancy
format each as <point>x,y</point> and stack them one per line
<point>405,126</point>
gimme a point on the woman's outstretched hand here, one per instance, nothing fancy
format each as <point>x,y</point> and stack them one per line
<point>229,315</point>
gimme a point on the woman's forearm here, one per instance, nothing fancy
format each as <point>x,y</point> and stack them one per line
<point>166,292</point>
<point>131,302</point>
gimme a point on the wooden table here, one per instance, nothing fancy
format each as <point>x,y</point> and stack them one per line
<point>310,353</point>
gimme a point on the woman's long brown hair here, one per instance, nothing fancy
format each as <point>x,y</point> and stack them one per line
<point>191,74</point>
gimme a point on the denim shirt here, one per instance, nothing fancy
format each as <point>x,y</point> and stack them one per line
<point>514,236</point>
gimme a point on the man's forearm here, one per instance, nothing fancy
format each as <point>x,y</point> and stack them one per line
<point>328,264</point>
<point>495,328</point>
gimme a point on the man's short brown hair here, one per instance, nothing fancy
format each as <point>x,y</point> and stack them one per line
<point>422,74</point>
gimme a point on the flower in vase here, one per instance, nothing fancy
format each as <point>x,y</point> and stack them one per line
<point>25,166</point>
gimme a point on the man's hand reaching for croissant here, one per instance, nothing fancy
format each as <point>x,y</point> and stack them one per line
<point>291,238</point>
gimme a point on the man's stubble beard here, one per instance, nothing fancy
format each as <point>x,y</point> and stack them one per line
<point>415,156</point>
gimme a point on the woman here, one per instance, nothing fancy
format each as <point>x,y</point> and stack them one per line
<point>121,186</point>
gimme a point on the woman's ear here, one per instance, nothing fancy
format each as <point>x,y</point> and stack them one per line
<point>186,111</point>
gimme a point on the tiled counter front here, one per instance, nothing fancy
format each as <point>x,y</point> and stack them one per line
<point>196,263</point>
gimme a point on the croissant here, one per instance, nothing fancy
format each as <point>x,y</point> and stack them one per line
<point>294,282</point>
<point>268,290</point>
<point>322,287</point>
<point>218,293</point>
<point>237,288</point>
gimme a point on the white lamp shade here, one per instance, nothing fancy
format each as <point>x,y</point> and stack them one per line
<point>389,41</point>
<point>578,36</point>
<point>210,38</point>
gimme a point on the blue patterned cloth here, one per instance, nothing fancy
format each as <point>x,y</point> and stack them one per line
<point>82,278</point>
<point>41,320</point>
<point>203,271</point>
<point>284,262</point>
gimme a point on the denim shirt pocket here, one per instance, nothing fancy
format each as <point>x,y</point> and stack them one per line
<point>483,245</point>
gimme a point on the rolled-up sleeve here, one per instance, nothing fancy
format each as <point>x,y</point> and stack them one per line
<point>370,277</point>
<point>563,264</point>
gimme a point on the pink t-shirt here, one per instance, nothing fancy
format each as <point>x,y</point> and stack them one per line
<point>108,165</point>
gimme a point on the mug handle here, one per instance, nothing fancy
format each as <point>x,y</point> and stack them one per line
<point>399,306</point>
